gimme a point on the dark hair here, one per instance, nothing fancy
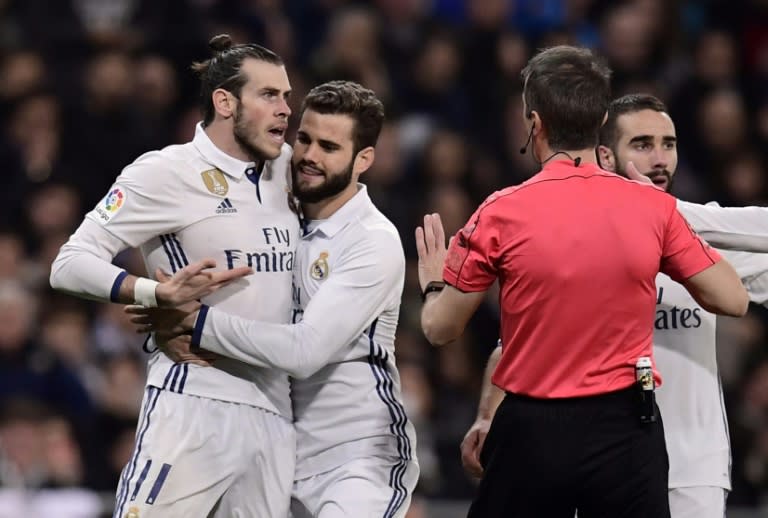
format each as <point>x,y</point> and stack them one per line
<point>570,89</point>
<point>349,98</point>
<point>630,103</point>
<point>223,69</point>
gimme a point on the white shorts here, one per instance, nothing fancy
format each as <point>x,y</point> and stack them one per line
<point>697,502</point>
<point>363,488</point>
<point>198,457</point>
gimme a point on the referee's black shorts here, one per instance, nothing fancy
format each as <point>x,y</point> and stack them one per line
<point>549,458</point>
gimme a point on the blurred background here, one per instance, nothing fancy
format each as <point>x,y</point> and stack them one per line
<point>88,85</point>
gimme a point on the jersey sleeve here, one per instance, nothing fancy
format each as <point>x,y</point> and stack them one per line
<point>753,271</point>
<point>470,264</point>
<point>139,206</point>
<point>684,253</point>
<point>729,228</point>
<point>142,202</point>
<point>367,280</point>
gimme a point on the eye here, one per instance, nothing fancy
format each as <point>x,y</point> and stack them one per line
<point>642,146</point>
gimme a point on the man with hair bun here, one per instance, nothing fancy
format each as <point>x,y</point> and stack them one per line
<point>214,438</point>
<point>356,445</point>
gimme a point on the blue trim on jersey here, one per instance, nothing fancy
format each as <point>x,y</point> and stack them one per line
<point>158,485</point>
<point>377,359</point>
<point>168,375</point>
<point>114,293</point>
<point>142,477</point>
<point>176,241</point>
<point>185,367</point>
<point>130,469</point>
<point>169,253</point>
<point>197,332</point>
<point>176,370</point>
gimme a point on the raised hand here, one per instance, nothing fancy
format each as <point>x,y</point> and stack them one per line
<point>193,282</point>
<point>430,245</point>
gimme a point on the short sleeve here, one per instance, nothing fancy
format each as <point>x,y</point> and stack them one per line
<point>471,262</point>
<point>684,253</point>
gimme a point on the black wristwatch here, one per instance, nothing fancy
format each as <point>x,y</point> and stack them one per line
<point>430,287</point>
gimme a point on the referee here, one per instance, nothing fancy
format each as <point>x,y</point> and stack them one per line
<point>575,250</point>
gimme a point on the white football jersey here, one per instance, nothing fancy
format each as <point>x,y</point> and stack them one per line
<point>730,228</point>
<point>182,204</point>
<point>346,392</point>
<point>690,396</point>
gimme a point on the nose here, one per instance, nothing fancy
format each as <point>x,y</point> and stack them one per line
<point>310,153</point>
<point>284,110</point>
<point>660,158</point>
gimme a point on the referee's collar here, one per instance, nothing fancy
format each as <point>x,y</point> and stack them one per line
<point>345,215</point>
<point>564,168</point>
<point>228,164</point>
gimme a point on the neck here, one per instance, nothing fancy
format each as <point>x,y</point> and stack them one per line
<point>221,134</point>
<point>324,209</point>
<point>544,153</point>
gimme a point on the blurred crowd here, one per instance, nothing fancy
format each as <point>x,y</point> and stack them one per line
<point>86,86</point>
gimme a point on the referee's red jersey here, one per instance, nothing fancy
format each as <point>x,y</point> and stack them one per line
<point>576,251</point>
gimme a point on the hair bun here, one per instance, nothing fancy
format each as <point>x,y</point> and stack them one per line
<point>220,42</point>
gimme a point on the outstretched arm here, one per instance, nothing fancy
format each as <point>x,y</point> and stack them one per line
<point>729,228</point>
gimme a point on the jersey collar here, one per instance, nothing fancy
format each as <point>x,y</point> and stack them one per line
<point>228,164</point>
<point>346,214</point>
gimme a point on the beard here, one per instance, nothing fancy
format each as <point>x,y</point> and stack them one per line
<point>240,132</point>
<point>665,174</point>
<point>656,173</point>
<point>333,184</point>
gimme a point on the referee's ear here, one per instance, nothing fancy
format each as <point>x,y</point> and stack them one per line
<point>606,158</point>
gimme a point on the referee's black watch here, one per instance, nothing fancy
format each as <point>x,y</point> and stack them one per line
<point>430,287</point>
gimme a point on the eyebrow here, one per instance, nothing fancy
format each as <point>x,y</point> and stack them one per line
<point>329,144</point>
<point>649,138</point>
<point>273,90</point>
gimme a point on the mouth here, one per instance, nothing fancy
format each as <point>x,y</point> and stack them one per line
<point>277,134</point>
<point>660,180</point>
<point>310,171</point>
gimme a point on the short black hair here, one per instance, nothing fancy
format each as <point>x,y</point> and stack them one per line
<point>223,69</point>
<point>631,103</point>
<point>570,89</point>
<point>349,98</point>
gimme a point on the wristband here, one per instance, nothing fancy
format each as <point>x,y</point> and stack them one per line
<point>430,287</point>
<point>144,292</point>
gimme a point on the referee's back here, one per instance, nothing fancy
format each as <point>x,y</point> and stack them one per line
<point>577,250</point>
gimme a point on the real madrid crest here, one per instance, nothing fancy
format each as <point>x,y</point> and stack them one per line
<point>319,269</point>
<point>215,182</point>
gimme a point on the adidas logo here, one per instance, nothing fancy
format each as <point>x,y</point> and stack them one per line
<point>225,207</point>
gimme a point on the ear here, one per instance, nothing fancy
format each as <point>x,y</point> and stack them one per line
<point>533,115</point>
<point>606,158</point>
<point>363,160</point>
<point>223,103</point>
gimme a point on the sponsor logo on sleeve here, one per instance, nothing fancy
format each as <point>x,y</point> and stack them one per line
<point>111,203</point>
<point>215,182</point>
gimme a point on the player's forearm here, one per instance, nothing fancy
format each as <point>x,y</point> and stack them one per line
<point>490,395</point>
<point>298,349</point>
<point>85,275</point>
<point>729,228</point>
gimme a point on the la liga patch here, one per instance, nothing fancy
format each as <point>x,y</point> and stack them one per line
<point>111,203</point>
